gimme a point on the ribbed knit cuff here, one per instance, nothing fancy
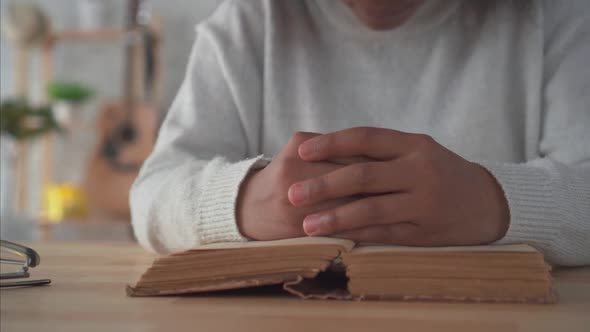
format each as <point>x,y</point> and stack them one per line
<point>217,204</point>
<point>534,211</point>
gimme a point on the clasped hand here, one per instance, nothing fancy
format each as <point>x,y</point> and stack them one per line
<point>373,185</point>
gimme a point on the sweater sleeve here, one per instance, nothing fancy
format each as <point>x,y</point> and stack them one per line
<point>185,194</point>
<point>549,198</point>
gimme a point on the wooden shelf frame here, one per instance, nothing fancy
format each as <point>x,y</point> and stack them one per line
<point>47,58</point>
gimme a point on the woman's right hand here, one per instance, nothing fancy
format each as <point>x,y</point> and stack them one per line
<point>264,211</point>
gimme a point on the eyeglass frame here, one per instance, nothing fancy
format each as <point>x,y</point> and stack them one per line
<point>32,259</point>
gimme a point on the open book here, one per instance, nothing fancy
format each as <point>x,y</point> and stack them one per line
<point>316,267</point>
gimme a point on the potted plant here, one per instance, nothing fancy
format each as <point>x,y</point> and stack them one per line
<point>21,121</point>
<point>67,98</point>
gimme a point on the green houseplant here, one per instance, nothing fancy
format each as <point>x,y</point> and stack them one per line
<point>69,91</point>
<point>21,120</point>
<point>67,99</point>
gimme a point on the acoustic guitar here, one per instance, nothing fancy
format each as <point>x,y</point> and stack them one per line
<point>127,128</point>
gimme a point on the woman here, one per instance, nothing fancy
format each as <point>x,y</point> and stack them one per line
<point>429,123</point>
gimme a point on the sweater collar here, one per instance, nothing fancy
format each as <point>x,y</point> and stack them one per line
<point>430,15</point>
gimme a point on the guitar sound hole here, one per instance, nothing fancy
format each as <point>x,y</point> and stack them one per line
<point>127,134</point>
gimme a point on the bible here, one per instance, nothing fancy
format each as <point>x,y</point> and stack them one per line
<point>328,268</point>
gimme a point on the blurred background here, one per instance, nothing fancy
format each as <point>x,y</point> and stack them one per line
<point>84,86</point>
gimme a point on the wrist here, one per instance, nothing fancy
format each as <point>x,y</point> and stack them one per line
<point>244,204</point>
<point>498,209</point>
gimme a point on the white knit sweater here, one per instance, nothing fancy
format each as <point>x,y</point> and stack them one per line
<point>508,88</point>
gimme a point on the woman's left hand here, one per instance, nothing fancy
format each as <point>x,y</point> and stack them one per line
<point>416,192</point>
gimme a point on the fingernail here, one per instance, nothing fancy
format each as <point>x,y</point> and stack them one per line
<point>298,193</point>
<point>308,148</point>
<point>312,224</point>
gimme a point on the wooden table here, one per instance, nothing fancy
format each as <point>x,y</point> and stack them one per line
<point>87,294</point>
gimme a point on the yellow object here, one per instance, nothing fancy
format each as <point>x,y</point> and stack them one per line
<point>64,201</point>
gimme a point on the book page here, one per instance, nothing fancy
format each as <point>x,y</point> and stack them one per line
<point>347,245</point>
<point>365,248</point>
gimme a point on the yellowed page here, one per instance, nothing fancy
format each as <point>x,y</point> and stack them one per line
<point>346,245</point>
<point>370,249</point>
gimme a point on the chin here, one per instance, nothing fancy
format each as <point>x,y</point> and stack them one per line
<point>383,18</point>
<point>383,26</point>
<point>387,23</point>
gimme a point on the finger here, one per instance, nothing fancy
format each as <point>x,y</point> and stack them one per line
<point>291,148</point>
<point>351,160</point>
<point>370,211</point>
<point>358,179</point>
<point>376,143</point>
<point>297,170</point>
<point>401,234</point>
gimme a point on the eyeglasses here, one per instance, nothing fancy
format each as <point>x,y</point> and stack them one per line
<point>18,259</point>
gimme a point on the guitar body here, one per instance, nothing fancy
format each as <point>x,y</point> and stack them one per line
<point>107,187</point>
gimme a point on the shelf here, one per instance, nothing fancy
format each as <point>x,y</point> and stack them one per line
<point>107,34</point>
<point>103,34</point>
